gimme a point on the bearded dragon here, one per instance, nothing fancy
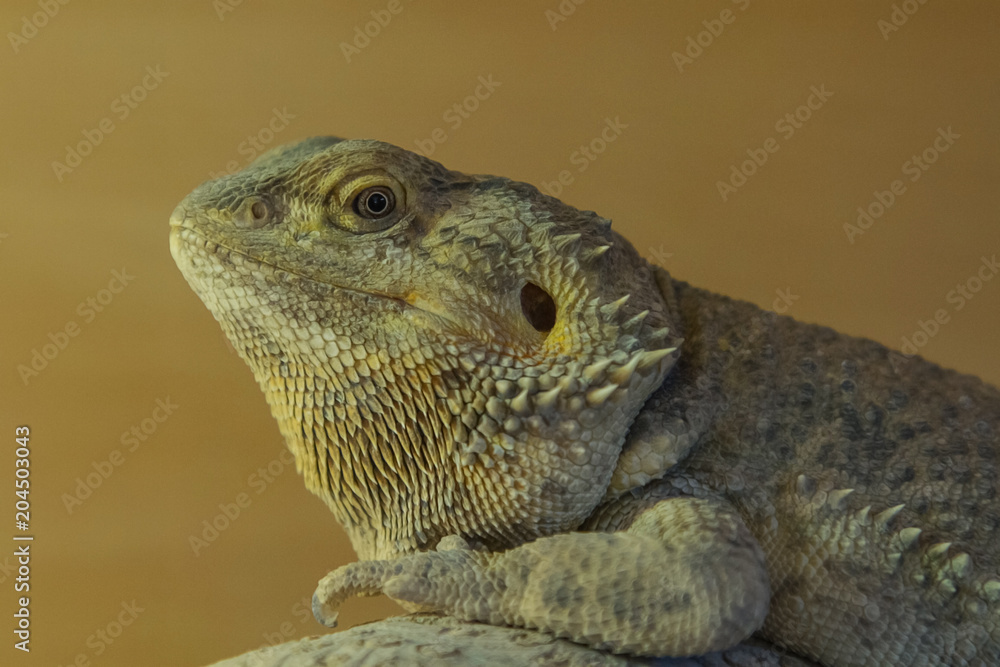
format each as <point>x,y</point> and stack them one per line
<point>520,421</point>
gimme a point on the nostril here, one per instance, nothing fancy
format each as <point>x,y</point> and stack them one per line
<point>258,210</point>
<point>253,213</point>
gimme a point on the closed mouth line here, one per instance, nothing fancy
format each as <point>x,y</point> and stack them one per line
<point>184,228</point>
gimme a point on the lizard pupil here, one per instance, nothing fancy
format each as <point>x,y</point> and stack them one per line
<point>374,203</point>
<point>538,307</point>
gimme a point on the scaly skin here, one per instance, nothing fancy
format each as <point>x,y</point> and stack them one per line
<point>519,421</point>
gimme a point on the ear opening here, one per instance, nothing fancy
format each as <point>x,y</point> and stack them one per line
<point>538,307</point>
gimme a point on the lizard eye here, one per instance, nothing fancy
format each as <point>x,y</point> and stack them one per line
<point>365,202</point>
<point>375,203</point>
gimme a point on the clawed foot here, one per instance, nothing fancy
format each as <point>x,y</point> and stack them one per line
<point>451,579</point>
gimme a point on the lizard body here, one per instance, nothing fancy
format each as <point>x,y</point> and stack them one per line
<point>518,420</point>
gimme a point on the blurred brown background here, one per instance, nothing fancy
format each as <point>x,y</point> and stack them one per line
<point>206,84</point>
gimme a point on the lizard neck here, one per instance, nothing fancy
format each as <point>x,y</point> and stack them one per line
<point>409,446</point>
<point>397,482</point>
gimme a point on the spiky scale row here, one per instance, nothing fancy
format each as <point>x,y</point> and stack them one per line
<point>566,394</point>
<point>946,572</point>
<point>571,395</point>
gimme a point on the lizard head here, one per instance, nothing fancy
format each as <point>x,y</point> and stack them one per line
<point>444,353</point>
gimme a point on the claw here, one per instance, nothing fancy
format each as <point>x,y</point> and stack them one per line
<point>356,579</point>
<point>324,613</point>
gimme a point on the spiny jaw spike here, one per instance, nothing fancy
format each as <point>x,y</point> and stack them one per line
<point>633,322</point>
<point>610,309</point>
<point>623,374</point>
<point>595,253</point>
<point>657,334</point>
<point>836,498</point>
<point>594,370</point>
<point>597,397</point>
<point>547,399</point>
<point>938,550</point>
<point>883,518</point>
<point>908,536</point>
<point>521,404</point>
<point>654,357</point>
<point>960,565</point>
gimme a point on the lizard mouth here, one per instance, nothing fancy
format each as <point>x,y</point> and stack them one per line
<point>185,238</point>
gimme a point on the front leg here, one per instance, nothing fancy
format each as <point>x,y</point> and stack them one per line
<point>685,578</point>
